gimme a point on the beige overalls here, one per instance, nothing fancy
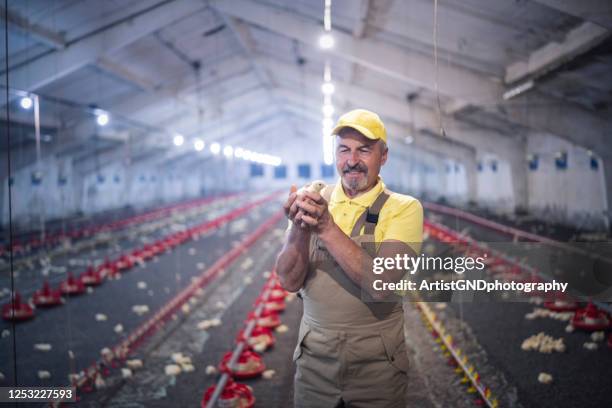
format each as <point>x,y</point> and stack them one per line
<point>350,352</point>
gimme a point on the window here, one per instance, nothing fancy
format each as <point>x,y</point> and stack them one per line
<point>280,172</point>
<point>534,162</point>
<point>327,171</point>
<point>304,171</point>
<point>561,160</point>
<point>257,170</point>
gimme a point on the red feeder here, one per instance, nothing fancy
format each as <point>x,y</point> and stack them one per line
<point>249,365</point>
<point>266,319</point>
<point>276,306</point>
<point>277,292</point>
<point>72,286</point>
<point>145,253</point>
<point>590,319</point>
<point>259,335</point>
<point>233,395</point>
<point>47,297</point>
<point>108,269</point>
<point>561,305</point>
<point>17,310</point>
<point>125,262</point>
<point>91,277</point>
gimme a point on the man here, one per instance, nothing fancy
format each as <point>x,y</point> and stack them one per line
<point>351,349</point>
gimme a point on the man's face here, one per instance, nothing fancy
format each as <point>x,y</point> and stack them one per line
<point>358,160</point>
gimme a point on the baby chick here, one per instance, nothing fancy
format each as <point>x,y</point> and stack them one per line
<point>314,187</point>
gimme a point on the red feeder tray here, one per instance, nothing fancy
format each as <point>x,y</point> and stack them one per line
<point>234,395</point>
<point>72,286</point>
<point>276,306</point>
<point>91,277</point>
<point>249,365</point>
<point>145,253</point>
<point>591,319</point>
<point>108,268</point>
<point>47,297</point>
<point>16,310</point>
<point>266,319</point>
<point>259,335</point>
<point>125,262</point>
<point>277,295</point>
<point>561,305</point>
<point>276,291</point>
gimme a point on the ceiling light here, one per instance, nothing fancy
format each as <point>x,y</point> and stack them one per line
<point>26,102</point>
<point>517,90</point>
<point>328,88</point>
<point>198,144</point>
<point>326,41</point>
<point>228,151</point>
<point>215,148</point>
<point>178,140</point>
<point>102,119</point>
<point>328,110</point>
<point>328,158</point>
<point>239,152</point>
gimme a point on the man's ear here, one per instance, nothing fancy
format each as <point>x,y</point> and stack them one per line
<point>383,158</point>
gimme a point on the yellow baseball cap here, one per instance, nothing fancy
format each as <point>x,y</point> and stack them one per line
<point>365,122</point>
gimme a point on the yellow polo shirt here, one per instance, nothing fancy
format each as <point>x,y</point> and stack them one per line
<point>401,218</point>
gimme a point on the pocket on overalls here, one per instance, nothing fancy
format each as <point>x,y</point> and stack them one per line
<point>303,331</point>
<point>395,349</point>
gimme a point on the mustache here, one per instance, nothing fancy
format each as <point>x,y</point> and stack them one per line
<point>357,167</point>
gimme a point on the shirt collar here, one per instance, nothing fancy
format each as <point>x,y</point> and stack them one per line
<point>365,200</point>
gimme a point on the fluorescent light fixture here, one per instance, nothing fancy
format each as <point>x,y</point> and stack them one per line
<point>215,148</point>
<point>327,88</point>
<point>326,41</point>
<point>328,110</point>
<point>328,148</point>
<point>253,156</point>
<point>198,144</point>
<point>328,159</point>
<point>228,151</point>
<point>102,119</point>
<point>519,89</point>
<point>26,102</point>
<point>328,123</point>
<point>178,140</point>
<point>409,139</point>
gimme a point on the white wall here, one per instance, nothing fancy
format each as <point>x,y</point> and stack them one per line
<point>30,201</point>
<point>575,196</point>
<point>494,189</point>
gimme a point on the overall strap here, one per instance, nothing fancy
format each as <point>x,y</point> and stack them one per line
<point>369,217</point>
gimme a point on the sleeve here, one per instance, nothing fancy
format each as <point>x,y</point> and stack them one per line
<point>406,225</point>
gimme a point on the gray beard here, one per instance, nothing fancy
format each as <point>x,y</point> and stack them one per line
<point>355,185</point>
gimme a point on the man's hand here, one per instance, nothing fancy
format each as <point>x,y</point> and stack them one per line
<point>292,211</point>
<point>314,212</point>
